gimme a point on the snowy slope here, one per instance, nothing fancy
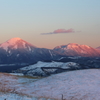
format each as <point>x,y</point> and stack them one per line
<point>74,85</point>
<point>12,87</point>
<point>16,43</point>
<point>50,64</point>
<point>73,49</point>
<point>45,68</point>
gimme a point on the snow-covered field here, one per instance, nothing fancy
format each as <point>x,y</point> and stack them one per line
<point>74,85</point>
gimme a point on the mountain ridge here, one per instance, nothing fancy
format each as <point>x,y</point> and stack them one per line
<point>16,50</point>
<point>73,49</point>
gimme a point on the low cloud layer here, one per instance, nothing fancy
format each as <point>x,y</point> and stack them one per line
<point>59,31</point>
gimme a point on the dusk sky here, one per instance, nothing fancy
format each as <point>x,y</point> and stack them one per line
<point>50,23</point>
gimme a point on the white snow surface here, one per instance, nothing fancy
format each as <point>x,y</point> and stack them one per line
<point>76,57</point>
<point>50,53</point>
<point>40,64</point>
<point>36,68</point>
<point>74,85</point>
<point>18,74</point>
<point>9,96</point>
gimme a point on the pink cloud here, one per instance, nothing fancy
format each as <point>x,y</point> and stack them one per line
<point>58,31</point>
<point>64,31</point>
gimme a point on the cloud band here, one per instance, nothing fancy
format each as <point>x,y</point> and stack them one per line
<point>59,31</point>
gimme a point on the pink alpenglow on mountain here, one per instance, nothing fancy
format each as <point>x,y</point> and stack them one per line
<point>73,49</point>
<point>16,43</point>
<point>17,50</point>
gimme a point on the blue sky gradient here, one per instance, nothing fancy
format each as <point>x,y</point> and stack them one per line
<point>27,19</point>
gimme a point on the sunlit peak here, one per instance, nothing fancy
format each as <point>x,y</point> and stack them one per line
<point>16,39</point>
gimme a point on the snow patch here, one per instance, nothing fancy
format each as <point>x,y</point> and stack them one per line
<point>61,58</point>
<point>83,52</point>
<point>50,53</point>
<point>29,48</point>
<point>17,55</point>
<point>17,74</point>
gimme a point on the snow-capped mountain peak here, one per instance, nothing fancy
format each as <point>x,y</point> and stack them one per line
<point>74,49</point>
<point>72,45</point>
<point>15,43</point>
<point>14,40</point>
<point>18,50</point>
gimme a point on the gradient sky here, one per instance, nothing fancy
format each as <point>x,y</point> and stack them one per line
<point>49,23</point>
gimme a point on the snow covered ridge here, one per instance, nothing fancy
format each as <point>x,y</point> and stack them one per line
<point>74,85</point>
<point>47,68</point>
<point>73,49</point>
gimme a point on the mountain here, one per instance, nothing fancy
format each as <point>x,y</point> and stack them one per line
<point>47,68</point>
<point>73,49</point>
<point>17,50</point>
<point>16,43</point>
